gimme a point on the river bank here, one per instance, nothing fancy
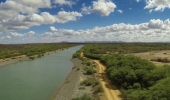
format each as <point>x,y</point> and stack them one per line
<point>72,88</point>
<point>69,88</point>
<point>22,58</point>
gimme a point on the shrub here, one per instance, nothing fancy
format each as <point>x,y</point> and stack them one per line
<point>164,60</point>
<point>84,97</point>
<point>137,86</point>
<point>78,69</point>
<point>96,82</point>
<point>31,57</point>
<point>87,82</point>
<point>81,88</point>
<point>98,89</point>
<point>89,70</point>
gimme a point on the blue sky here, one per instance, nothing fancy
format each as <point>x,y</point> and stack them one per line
<point>30,21</point>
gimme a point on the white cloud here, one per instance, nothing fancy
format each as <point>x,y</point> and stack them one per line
<point>11,9</point>
<point>137,0</point>
<point>16,23</point>
<point>103,7</point>
<point>52,28</point>
<point>6,37</point>
<point>31,33</point>
<point>63,16</point>
<point>157,5</point>
<point>21,22</point>
<point>156,24</point>
<point>35,3</point>
<point>48,18</point>
<point>23,14</point>
<point>53,32</point>
<point>120,11</point>
<point>15,34</point>
<point>153,31</point>
<point>167,22</point>
<point>64,2</point>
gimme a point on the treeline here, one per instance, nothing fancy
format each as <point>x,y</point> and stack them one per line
<point>7,51</point>
<point>123,48</point>
<point>138,79</point>
<point>77,54</point>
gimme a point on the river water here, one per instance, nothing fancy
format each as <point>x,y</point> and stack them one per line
<point>38,79</point>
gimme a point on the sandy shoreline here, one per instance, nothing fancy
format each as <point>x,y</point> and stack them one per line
<point>9,61</point>
<point>18,59</point>
<point>68,89</point>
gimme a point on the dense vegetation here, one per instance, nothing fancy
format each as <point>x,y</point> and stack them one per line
<point>77,54</point>
<point>7,51</point>
<point>137,78</point>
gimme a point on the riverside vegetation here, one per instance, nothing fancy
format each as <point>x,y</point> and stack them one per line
<point>137,79</point>
<point>13,50</point>
<point>89,71</point>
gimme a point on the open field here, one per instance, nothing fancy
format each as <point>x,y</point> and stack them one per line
<point>154,55</point>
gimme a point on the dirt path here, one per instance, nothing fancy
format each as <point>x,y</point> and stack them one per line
<point>82,55</point>
<point>111,92</point>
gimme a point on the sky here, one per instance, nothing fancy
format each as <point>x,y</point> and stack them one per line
<point>46,21</point>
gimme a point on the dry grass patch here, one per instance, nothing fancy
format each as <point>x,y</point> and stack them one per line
<point>159,58</point>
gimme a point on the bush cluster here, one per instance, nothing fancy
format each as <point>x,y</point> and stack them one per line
<point>137,78</point>
<point>84,97</point>
<point>88,82</point>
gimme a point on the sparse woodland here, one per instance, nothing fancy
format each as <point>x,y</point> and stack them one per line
<point>137,79</point>
<point>12,50</point>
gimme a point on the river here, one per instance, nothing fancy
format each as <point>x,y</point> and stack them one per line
<point>38,79</point>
